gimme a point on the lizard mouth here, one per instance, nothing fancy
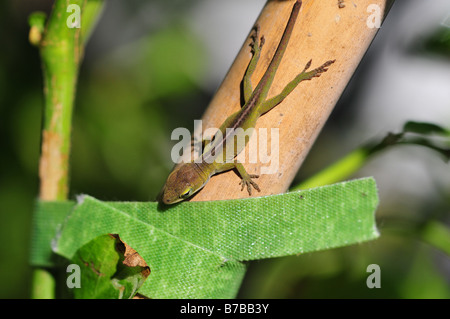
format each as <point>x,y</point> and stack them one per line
<point>167,198</point>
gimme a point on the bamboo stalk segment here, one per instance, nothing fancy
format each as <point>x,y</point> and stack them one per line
<point>324,31</point>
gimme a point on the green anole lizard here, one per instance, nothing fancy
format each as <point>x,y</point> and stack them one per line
<point>188,178</point>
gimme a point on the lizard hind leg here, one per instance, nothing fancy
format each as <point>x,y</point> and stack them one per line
<point>256,46</point>
<point>302,76</point>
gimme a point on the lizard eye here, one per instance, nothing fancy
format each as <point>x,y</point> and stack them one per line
<point>186,193</point>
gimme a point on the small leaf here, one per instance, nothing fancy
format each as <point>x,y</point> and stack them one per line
<point>104,274</point>
<point>36,22</point>
<point>424,128</point>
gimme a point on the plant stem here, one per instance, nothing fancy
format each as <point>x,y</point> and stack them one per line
<point>61,46</point>
<point>414,133</point>
<point>337,171</point>
<point>437,234</point>
<point>43,284</point>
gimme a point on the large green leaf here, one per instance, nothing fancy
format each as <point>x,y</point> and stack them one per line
<point>197,249</point>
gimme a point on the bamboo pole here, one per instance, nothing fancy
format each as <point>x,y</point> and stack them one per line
<point>325,30</point>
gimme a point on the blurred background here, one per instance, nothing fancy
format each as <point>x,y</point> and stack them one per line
<point>152,66</point>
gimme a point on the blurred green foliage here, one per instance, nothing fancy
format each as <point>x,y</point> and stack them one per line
<point>129,100</point>
<point>127,107</point>
<point>439,42</point>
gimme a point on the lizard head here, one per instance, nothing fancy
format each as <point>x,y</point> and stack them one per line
<point>182,183</point>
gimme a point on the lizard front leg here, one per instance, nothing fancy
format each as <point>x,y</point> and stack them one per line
<point>246,178</point>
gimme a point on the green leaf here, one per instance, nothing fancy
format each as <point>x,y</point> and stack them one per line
<point>36,21</point>
<point>438,42</point>
<point>197,249</point>
<point>425,128</point>
<point>103,271</point>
